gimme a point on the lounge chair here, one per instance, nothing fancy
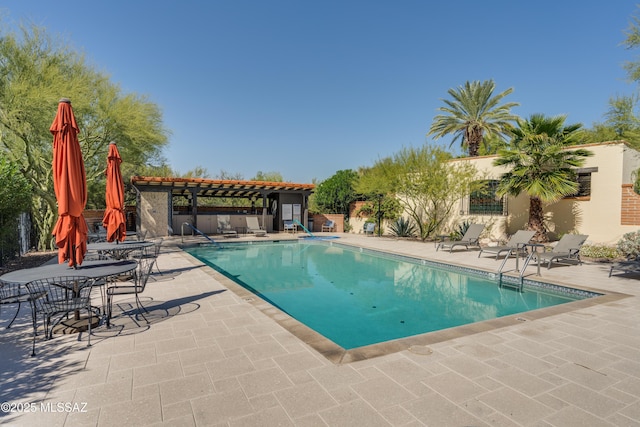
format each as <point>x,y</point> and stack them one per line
<point>224,226</point>
<point>253,226</point>
<point>369,228</point>
<point>329,226</point>
<point>515,242</point>
<point>289,225</point>
<point>567,249</point>
<point>471,238</point>
<point>630,266</point>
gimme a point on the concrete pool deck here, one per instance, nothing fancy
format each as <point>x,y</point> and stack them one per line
<point>211,356</point>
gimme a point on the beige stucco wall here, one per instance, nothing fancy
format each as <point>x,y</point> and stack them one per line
<point>598,216</point>
<point>154,213</point>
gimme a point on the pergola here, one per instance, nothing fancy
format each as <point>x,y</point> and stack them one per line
<point>278,193</point>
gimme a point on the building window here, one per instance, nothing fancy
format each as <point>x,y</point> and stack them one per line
<point>583,176</point>
<point>485,201</point>
<point>584,182</point>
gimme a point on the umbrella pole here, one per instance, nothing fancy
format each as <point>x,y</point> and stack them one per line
<point>73,257</point>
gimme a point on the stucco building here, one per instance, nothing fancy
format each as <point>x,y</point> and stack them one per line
<point>605,207</point>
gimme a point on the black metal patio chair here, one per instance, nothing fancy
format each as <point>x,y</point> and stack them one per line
<point>55,299</point>
<point>135,286</point>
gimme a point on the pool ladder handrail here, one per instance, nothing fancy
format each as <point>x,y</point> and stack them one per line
<point>521,247</point>
<point>295,221</point>
<point>532,253</point>
<point>518,250</point>
<point>197,231</point>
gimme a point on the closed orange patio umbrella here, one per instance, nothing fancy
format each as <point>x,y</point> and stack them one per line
<point>70,185</point>
<point>113,219</point>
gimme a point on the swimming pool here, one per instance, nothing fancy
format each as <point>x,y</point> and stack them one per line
<point>357,297</point>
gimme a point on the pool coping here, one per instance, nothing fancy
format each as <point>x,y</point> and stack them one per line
<point>417,344</point>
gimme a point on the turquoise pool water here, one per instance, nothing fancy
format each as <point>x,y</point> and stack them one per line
<point>357,297</point>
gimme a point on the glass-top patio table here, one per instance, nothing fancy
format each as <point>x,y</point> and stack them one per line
<point>120,250</point>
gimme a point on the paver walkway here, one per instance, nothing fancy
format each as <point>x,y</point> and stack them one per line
<point>211,357</point>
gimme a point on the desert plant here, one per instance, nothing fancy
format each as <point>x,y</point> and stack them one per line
<point>403,227</point>
<point>460,230</point>
<point>600,251</point>
<point>629,245</point>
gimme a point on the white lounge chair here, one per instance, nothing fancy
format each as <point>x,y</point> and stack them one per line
<point>224,226</point>
<point>253,226</point>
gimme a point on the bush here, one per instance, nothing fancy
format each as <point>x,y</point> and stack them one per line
<point>600,251</point>
<point>629,245</point>
<point>460,230</point>
<point>15,193</point>
<point>403,228</point>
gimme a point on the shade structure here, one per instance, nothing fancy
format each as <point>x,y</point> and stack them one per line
<point>70,185</point>
<point>114,220</point>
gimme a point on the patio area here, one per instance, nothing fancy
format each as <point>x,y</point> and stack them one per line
<point>216,356</point>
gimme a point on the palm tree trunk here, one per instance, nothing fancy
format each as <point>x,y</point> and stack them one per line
<point>536,220</point>
<point>474,140</point>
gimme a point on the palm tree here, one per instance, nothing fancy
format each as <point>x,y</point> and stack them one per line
<point>541,165</point>
<point>474,113</point>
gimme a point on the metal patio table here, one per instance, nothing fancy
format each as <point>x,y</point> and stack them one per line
<point>102,269</point>
<point>120,250</point>
<point>92,269</point>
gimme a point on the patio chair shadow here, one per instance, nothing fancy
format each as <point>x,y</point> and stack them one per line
<point>29,379</point>
<point>125,321</point>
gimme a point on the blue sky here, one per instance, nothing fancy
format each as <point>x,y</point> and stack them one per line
<point>309,88</point>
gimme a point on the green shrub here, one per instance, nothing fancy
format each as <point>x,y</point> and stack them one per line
<point>600,251</point>
<point>629,245</point>
<point>403,228</point>
<point>460,230</point>
<point>15,193</point>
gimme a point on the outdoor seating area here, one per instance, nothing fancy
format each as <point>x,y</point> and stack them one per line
<point>58,292</point>
<point>174,370</point>
<point>54,290</point>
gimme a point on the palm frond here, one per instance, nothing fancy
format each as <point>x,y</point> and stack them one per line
<point>541,166</point>
<point>473,111</point>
